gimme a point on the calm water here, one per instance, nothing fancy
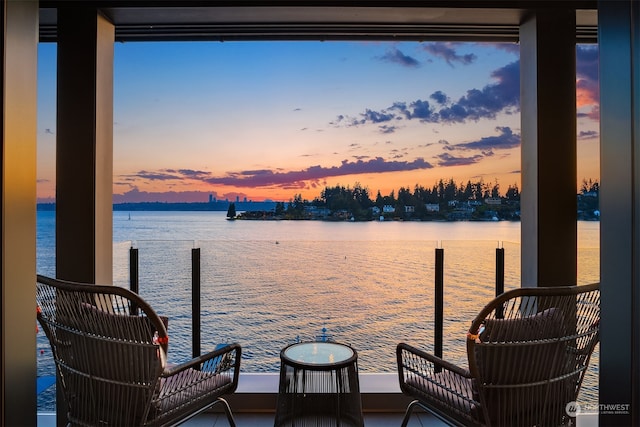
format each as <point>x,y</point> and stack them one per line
<point>266,284</point>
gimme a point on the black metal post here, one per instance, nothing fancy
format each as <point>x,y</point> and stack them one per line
<point>195,301</point>
<point>439,304</point>
<point>134,278</point>
<point>499,279</point>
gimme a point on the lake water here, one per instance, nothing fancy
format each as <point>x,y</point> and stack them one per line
<point>266,284</point>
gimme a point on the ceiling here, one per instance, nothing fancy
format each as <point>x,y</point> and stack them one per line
<point>319,20</point>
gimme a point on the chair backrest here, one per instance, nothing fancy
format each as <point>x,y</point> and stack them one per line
<point>109,347</point>
<point>528,351</point>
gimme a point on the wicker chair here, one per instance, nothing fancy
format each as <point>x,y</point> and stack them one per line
<point>527,350</point>
<point>110,350</point>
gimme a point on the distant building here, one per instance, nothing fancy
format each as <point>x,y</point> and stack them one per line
<point>316,212</point>
<point>388,209</point>
<point>409,209</point>
<point>466,207</point>
<point>493,201</point>
<point>432,207</point>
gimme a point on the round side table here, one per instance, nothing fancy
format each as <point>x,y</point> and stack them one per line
<point>319,386</point>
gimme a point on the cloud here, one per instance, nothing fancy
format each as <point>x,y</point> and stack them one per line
<point>385,129</point>
<point>587,58</point>
<point>593,114</point>
<point>168,175</point>
<point>587,83</point>
<point>477,104</point>
<point>395,56</point>
<point>265,178</point>
<point>418,109</point>
<point>193,174</point>
<point>446,51</point>
<point>505,140</point>
<point>487,102</point>
<point>502,96</point>
<point>256,178</point>
<point>447,159</point>
<point>486,146</point>
<point>161,175</point>
<point>439,97</point>
<point>376,117</point>
<point>588,134</point>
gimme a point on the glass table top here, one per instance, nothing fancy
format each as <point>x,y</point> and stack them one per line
<point>318,353</point>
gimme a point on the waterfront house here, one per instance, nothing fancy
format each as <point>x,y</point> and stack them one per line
<point>546,31</point>
<point>432,207</point>
<point>314,212</point>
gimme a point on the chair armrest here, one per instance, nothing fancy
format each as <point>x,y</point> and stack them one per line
<point>441,386</point>
<point>419,361</point>
<point>222,360</point>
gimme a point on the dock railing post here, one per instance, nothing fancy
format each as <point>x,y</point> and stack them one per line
<point>499,279</point>
<point>439,304</point>
<point>195,301</point>
<point>134,278</point>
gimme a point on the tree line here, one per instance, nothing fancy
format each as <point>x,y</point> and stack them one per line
<point>444,200</point>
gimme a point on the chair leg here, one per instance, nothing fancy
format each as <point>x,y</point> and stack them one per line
<point>408,412</point>
<point>227,410</point>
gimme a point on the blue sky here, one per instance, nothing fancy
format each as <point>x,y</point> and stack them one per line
<point>268,120</point>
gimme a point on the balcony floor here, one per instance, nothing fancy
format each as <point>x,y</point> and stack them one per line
<point>265,419</point>
<point>254,402</point>
<point>418,419</point>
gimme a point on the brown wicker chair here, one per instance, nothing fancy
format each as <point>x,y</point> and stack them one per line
<point>527,350</point>
<point>110,350</point>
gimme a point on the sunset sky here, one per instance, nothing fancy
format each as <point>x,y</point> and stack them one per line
<point>268,120</point>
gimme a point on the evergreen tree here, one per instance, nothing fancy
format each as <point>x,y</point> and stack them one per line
<point>513,194</point>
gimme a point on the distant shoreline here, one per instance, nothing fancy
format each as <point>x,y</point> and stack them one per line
<point>215,206</point>
<point>223,206</point>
